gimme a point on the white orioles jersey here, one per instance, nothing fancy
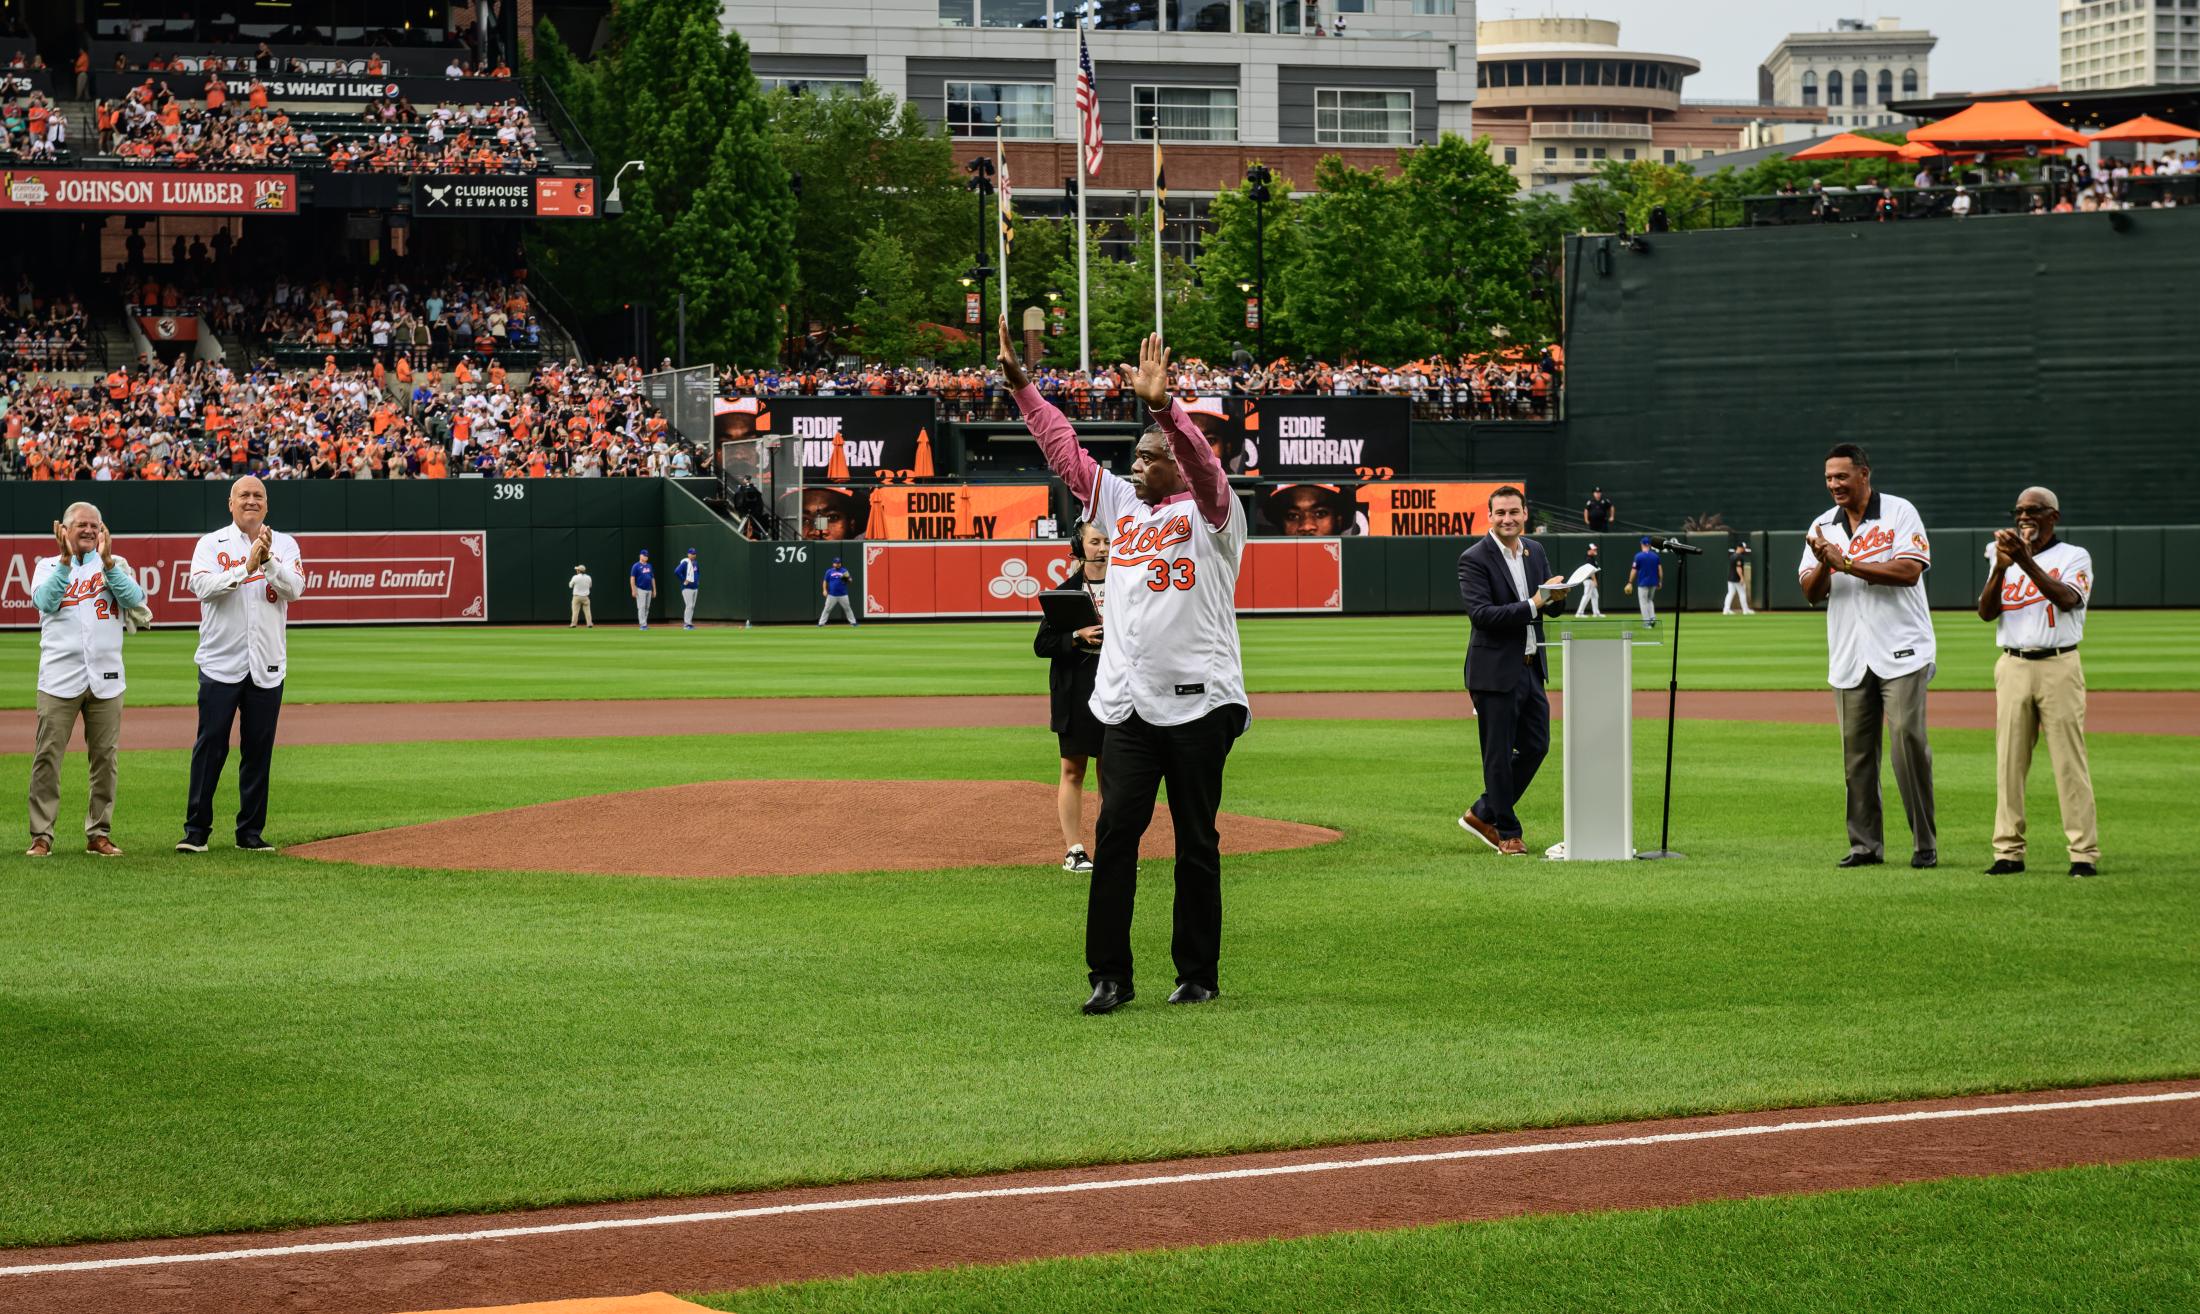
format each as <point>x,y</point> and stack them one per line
<point>1171,652</point>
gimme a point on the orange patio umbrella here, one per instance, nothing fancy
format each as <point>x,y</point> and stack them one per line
<point>1849,146</point>
<point>837,468</point>
<point>1997,124</point>
<point>1920,150</point>
<point>2146,128</point>
<point>923,465</point>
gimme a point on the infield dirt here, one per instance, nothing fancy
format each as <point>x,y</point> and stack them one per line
<point>776,828</point>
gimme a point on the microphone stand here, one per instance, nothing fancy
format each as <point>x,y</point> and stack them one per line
<point>1672,703</point>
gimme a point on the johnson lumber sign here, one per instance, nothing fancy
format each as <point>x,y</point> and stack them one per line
<point>149,191</point>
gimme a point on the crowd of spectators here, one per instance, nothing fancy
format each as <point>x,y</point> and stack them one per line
<point>152,125</point>
<point>41,331</point>
<point>32,128</point>
<point>202,420</point>
<point>265,63</point>
<point>1516,386</point>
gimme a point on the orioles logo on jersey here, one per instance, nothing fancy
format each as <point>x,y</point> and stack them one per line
<point>1133,548</point>
<point>231,563</point>
<point>1871,542</point>
<point>84,590</point>
<point>2022,593</point>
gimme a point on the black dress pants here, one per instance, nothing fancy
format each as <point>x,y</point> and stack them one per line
<point>1515,729</point>
<point>219,706</point>
<point>1135,760</point>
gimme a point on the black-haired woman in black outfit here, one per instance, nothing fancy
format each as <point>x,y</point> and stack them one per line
<point>1074,658</point>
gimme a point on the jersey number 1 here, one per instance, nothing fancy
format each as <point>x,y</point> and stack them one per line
<point>1171,574</point>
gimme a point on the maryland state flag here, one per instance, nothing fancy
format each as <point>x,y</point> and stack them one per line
<point>1160,177</point>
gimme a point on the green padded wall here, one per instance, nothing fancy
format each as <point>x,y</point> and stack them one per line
<point>1971,357</point>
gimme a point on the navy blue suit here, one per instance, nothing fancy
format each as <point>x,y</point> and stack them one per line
<point>1512,713</point>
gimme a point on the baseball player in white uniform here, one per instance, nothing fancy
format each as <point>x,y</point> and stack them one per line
<point>1866,560</point>
<point>245,576</point>
<point>1590,605</point>
<point>2036,595</point>
<point>81,595</point>
<point>1170,688</point>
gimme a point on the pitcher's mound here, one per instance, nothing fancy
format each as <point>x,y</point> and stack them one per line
<point>776,828</point>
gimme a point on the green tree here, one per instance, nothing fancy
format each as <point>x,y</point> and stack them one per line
<point>1353,278</point>
<point>1621,194</point>
<point>709,214</point>
<point>1474,285</point>
<point>1226,259</point>
<point>889,311</point>
<point>868,161</point>
<point>1120,293</point>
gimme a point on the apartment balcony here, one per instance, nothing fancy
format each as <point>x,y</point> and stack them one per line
<point>1589,132</point>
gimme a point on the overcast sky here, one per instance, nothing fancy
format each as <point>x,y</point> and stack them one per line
<point>1984,44</point>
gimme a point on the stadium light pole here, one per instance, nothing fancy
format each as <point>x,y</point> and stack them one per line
<point>611,204</point>
<point>1260,176</point>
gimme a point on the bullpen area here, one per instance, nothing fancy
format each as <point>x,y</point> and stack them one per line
<point>738,964</point>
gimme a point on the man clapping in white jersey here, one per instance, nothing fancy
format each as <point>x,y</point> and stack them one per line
<point>1170,688</point>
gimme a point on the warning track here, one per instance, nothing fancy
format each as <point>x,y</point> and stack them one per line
<point>727,1242</point>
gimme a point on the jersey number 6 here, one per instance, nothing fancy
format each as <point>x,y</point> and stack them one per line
<point>1168,574</point>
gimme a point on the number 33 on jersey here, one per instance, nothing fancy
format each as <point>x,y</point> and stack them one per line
<point>1172,594</point>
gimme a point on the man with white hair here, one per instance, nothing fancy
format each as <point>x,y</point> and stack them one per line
<point>81,595</point>
<point>245,576</point>
<point>2036,595</point>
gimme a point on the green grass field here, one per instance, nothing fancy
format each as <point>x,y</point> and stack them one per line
<point>2085,1239</point>
<point>2124,650</point>
<point>234,1041</point>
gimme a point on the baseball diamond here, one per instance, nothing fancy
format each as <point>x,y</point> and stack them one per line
<point>1454,679</point>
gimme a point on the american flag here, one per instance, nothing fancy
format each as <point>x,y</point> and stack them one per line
<point>1088,106</point>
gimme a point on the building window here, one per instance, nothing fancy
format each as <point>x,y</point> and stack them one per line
<point>1669,157</point>
<point>1886,85</point>
<point>1435,6</point>
<point>1189,15</point>
<point>1581,152</point>
<point>1185,113</point>
<point>1351,117</point>
<point>958,13</point>
<point>1025,109</point>
<point>1833,87</point>
<point>1512,155</point>
<point>1012,13</point>
<point>1810,87</point>
<point>1862,87</point>
<point>1627,152</point>
<point>1909,82</point>
<point>814,86</point>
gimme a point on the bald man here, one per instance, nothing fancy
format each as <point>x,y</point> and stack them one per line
<point>2036,595</point>
<point>245,576</point>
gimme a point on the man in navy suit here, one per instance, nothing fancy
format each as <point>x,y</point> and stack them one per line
<point>1506,666</point>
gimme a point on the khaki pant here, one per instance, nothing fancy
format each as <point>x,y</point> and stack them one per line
<point>102,729</point>
<point>1900,704</point>
<point>582,611</point>
<point>2044,698</point>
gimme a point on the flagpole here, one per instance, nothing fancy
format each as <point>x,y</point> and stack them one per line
<point>1157,196</point>
<point>1084,320</point>
<point>1000,219</point>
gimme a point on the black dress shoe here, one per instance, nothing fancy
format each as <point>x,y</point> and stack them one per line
<point>1107,996</point>
<point>1860,860</point>
<point>1929,858</point>
<point>1192,993</point>
<point>2005,867</point>
<point>2083,869</point>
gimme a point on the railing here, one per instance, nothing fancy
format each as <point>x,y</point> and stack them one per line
<point>547,103</point>
<point>1590,131</point>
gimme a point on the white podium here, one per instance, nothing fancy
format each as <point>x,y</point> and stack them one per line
<point>1598,745</point>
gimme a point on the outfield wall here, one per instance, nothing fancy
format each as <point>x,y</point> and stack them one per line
<point>1972,358</point>
<point>538,529</point>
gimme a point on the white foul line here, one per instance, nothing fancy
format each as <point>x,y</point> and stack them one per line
<point>1070,1188</point>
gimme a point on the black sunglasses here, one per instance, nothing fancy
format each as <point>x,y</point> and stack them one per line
<point>2031,512</point>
